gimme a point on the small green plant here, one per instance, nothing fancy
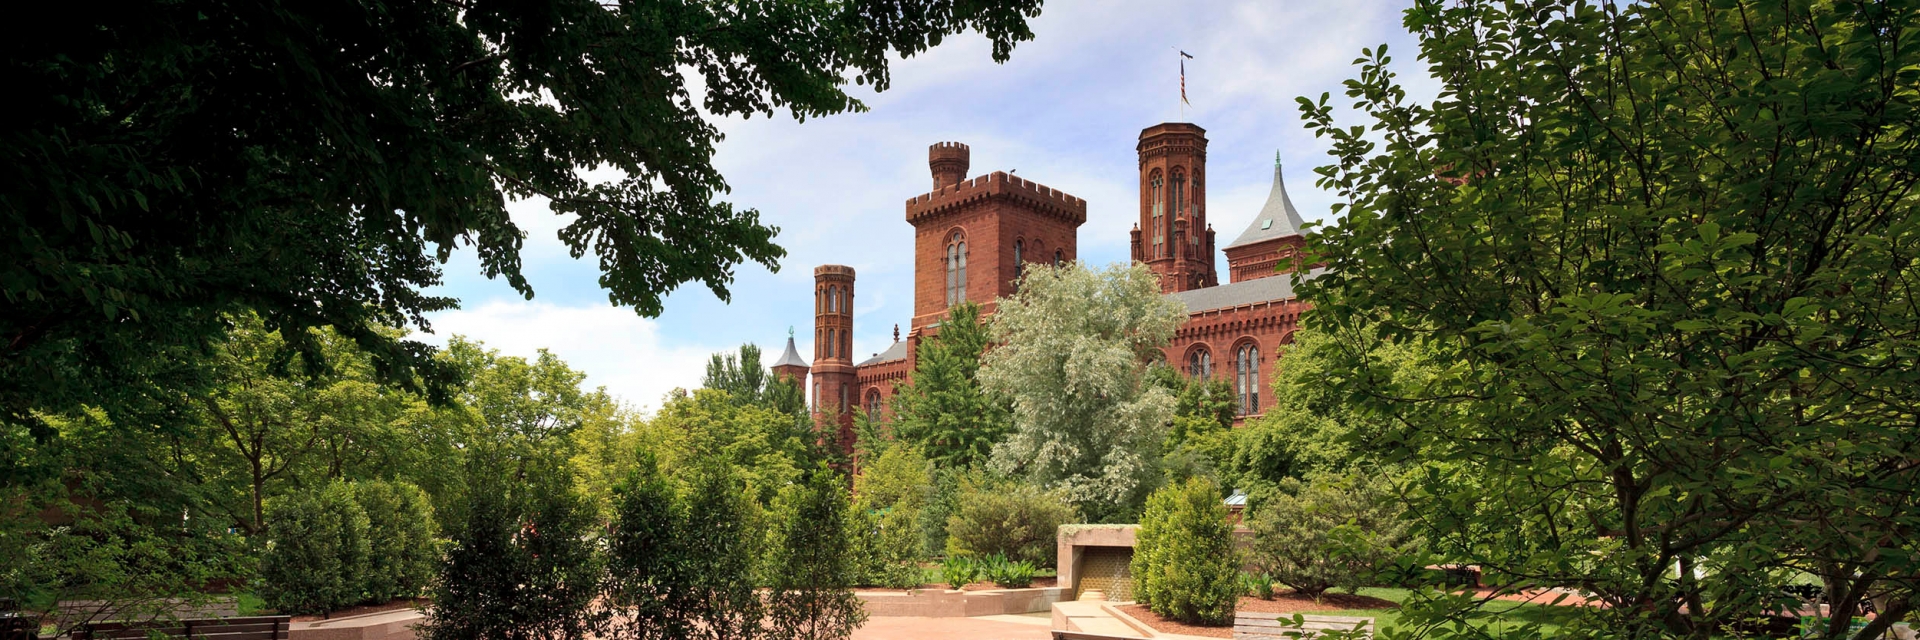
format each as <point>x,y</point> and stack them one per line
<point>1010,574</point>
<point>958,571</point>
<point>1258,585</point>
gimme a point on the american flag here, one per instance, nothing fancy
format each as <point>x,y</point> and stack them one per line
<point>1184,57</point>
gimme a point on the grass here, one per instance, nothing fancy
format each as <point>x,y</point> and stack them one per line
<point>1506,613</point>
<point>251,604</point>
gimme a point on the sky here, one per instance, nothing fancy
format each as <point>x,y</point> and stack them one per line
<point>1065,111</point>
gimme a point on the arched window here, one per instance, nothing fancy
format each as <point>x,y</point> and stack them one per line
<point>832,340</point>
<point>873,403</point>
<point>956,269</point>
<point>1200,364</point>
<point>1019,251</point>
<point>1247,377</point>
<point>1059,258</point>
<point>816,394</point>
<point>833,299</point>
<point>1157,202</point>
<point>843,399</point>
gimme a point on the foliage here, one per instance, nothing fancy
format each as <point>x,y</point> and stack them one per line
<point>115,554</point>
<point>318,550</point>
<point>944,410</point>
<point>810,567</point>
<point>1087,418</point>
<point>943,499</point>
<point>1184,565</point>
<point>644,559</point>
<point>1257,585</point>
<point>1006,573</point>
<point>758,443</point>
<point>182,160</point>
<point>402,554</point>
<point>959,571</point>
<point>1012,519</point>
<point>889,495</point>
<point>1338,530</point>
<point>1200,439</point>
<point>522,563</point>
<point>1667,274</point>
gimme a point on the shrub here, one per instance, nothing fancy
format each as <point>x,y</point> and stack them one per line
<point>1016,520</point>
<point>810,564</point>
<point>1337,530</point>
<point>522,563</point>
<point>891,492</point>
<point>1257,585</point>
<point>402,555</point>
<point>1005,573</point>
<point>316,553</point>
<point>959,571</point>
<point>1183,561</point>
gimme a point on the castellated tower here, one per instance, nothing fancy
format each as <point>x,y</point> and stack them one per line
<point>835,390</point>
<point>973,238</point>
<point>1173,237</point>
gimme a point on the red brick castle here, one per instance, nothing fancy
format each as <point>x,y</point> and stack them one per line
<point>973,236</point>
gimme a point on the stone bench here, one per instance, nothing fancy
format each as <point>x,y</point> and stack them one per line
<point>1249,625</point>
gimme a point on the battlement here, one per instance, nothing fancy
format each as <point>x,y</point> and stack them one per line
<point>998,184</point>
<point>841,270</point>
<point>949,162</point>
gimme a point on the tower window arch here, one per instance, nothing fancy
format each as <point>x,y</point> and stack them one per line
<point>1019,257</point>
<point>832,341</point>
<point>873,403</point>
<point>1156,201</point>
<point>956,269</point>
<point>1059,257</point>
<point>1200,363</point>
<point>1246,380</point>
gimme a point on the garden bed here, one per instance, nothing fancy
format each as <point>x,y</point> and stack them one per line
<point>1330,603</point>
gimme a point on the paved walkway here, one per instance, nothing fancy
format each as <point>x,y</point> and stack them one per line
<point>978,628</point>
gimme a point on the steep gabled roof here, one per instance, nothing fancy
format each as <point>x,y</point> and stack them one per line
<point>1278,219</point>
<point>1225,296</point>
<point>791,358</point>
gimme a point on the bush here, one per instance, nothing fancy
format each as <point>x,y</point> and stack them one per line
<point>959,571</point>
<point>891,492</point>
<point>317,551</point>
<point>810,564</point>
<point>402,554</point>
<point>1183,559</point>
<point>1015,520</point>
<point>1257,585</point>
<point>523,562</point>
<point>1005,573</point>
<point>1336,531</point>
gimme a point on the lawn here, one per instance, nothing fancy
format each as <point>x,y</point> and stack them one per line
<point>1507,613</point>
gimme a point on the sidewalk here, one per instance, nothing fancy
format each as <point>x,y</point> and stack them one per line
<point>1013,627</point>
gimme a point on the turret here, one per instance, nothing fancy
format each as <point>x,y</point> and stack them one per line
<point>949,161</point>
<point>835,386</point>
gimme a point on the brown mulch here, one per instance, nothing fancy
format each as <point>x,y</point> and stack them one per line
<point>1038,583</point>
<point>1281,603</point>
<point>403,603</point>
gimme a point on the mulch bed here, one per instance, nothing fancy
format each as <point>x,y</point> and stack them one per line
<point>1038,583</point>
<point>1281,603</point>
<point>403,603</point>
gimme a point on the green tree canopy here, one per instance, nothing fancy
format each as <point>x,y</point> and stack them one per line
<point>1073,351</point>
<point>944,411</point>
<point>1665,255</point>
<point>171,162</point>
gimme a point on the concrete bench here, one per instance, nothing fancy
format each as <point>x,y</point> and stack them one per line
<point>1249,625</point>
<point>255,628</point>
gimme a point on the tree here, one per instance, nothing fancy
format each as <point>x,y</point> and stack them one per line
<point>402,554</point>
<point>707,426</point>
<point>1073,354</point>
<point>1200,437</point>
<point>1184,563</point>
<point>944,410</point>
<point>810,568</point>
<point>1663,257</point>
<point>1014,520</point>
<point>179,161</point>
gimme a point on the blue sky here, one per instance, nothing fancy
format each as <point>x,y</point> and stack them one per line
<point>1066,111</point>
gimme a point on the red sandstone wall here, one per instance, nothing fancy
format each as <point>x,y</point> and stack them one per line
<point>992,211</point>
<point>1270,324</point>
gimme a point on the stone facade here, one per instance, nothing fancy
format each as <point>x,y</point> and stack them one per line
<point>973,237</point>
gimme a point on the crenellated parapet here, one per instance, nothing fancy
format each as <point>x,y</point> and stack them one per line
<point>1035,196</point>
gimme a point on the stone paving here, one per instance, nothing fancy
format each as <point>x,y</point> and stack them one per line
<point>1010,627</point>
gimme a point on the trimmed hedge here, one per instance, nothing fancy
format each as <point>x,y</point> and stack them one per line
<point>402,554</point>
<point>1184,564</point>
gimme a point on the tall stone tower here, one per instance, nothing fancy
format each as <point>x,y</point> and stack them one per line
<point>835,390</point>
<point>973,238</point>
<point>1173,237</point>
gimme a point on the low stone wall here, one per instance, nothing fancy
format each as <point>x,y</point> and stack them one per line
<point>383,625</point>
<point>945,603</point>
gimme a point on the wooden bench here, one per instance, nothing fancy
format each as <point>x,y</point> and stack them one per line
<point>255,628</point>
<point>1248,625</point>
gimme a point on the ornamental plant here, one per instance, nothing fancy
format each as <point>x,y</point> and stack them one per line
<point>1012,519</point>
<point>317,551</point>
<point>402,553</point>
<point>1184,564</point>
<point>1338,530</point>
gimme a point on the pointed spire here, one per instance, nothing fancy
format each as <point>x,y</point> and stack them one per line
<point>792,356</point>
<point>1278,218</point>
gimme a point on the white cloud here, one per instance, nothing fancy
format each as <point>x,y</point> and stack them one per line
<point>614,347</point>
